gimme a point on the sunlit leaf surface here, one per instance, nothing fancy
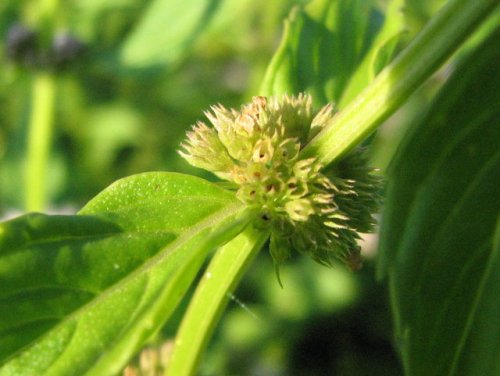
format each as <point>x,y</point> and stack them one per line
<point>79,294</point>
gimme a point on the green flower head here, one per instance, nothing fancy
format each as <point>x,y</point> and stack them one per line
<point>315,211</point>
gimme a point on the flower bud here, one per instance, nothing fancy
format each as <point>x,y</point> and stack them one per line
<point>203,149</point>
<point>66,49</point>
<point>21,45</point>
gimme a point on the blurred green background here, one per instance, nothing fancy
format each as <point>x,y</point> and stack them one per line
<point>148,70</point>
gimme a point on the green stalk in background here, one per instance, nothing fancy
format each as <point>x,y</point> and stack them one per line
<point>444,33</point>
<point>41,117</point>
<point>39,139</point>
<point>221,277</point>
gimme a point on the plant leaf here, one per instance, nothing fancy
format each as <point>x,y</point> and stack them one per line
<point>325,43</point>
<point>419,12</point>
<point>382,50</point>
<point>81,293</point>
<point>165,32</point>
<point>441,217</point>
<point>321,47</point>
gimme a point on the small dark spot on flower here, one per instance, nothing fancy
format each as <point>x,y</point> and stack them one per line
<point>257,174</point>
<point>266,217</point>
<point>252,192</point>
<point>270,187</point>
<point>292,185</point>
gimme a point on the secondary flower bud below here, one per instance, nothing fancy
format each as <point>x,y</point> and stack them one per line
<point>318,213</point>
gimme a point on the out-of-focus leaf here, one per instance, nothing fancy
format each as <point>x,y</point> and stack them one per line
<point>438,242</point>
<point>111,128</point>
<point>80,294</point>
<point>386,53</point>
<point>381,52</point>
<point>322,45</point>
<point>98,22</point>
<point>166,31</point>
<point>418,12</point>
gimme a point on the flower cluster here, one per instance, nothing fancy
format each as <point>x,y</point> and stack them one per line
<point>316,212</point>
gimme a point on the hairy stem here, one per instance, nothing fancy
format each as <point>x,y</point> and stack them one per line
<point>432,46</point>
<point>39,139</point>
<point>221,277</point>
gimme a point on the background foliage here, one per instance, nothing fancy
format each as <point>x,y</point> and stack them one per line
<point>148,71</point>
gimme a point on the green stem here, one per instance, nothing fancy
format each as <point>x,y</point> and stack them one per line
<point>41,116</point>
<point>222,275</point>
<point>432,46</point>
<point>39,139</point>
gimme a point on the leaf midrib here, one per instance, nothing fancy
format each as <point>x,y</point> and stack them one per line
<point>168,250</point>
